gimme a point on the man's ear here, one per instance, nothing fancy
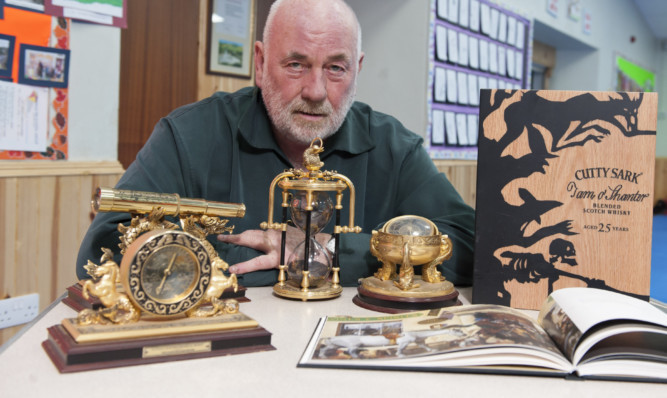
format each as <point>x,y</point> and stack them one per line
<point>361,61</point>
<point>259,63</point>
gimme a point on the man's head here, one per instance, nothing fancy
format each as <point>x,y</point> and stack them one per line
<point>307,67</point>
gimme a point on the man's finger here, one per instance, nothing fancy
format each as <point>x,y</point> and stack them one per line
<point>252,238</point>
<point>255,264</point>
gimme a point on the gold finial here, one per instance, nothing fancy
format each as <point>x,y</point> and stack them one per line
<point>311,157</point>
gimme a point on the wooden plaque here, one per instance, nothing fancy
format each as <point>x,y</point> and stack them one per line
<point>564,194</point>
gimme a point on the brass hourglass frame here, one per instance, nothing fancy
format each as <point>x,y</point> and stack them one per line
<point>310,182</point>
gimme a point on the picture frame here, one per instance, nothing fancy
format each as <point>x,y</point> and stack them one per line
<point>230,38</point>
<point>43,66</point>
<point>6,55</point>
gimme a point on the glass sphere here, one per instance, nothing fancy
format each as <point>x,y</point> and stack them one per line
<point>320,215</point>
<point>319,264</point>
<point>410,225</point>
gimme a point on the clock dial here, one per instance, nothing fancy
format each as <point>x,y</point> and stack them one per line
<point>166,272</point>
<point>170,273</point>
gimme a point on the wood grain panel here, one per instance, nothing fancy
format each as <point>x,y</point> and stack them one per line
<point>463,176</point>
<point>44,215</point>
<point>158,68</point>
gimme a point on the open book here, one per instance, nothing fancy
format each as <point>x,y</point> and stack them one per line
<point>580,332</point>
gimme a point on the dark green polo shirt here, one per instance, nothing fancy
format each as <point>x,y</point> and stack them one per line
<point>222,149</point>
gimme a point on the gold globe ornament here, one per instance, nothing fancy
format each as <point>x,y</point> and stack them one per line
<point>403,243</point>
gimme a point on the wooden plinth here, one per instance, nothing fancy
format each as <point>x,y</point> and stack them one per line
<point>397,304</point>
<point>70,356</point>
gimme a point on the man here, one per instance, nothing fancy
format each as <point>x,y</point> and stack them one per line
<point>229,147</point>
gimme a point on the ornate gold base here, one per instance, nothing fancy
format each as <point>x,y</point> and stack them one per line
<point>385,296</point>
<point>290,289</point>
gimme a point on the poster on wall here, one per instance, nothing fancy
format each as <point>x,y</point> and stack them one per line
<point>47,38</point>
<point>632,77</point>
<point>474,45</point>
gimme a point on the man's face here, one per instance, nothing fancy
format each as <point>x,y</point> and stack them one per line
<point>308,78</point>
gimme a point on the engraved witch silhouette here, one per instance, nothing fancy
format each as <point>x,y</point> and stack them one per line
<point>502,227</point>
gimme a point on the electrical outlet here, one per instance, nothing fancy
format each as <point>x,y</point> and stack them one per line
<point>17,310</point>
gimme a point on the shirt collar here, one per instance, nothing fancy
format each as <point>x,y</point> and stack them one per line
<point>352,137</point>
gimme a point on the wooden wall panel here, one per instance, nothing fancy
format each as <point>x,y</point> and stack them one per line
<point>44,213</point>
<point>463,175</point>
<point>158,68</point>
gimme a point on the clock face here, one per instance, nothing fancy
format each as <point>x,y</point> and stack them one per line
<point>170,273</point>
<point>165,272</point>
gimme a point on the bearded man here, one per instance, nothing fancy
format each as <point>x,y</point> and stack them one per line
<point>230,146</point>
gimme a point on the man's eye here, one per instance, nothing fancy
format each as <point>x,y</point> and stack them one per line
<point>295,66</point>
<point>337,68</point>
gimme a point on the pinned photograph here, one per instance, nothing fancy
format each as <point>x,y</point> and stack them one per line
<point>43,66</point>
<point>6,55</point>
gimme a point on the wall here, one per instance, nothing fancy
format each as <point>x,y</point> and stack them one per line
<point>394,75</point>
<point>93,92</point>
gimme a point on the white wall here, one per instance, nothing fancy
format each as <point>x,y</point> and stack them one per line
<point>93,92</point>
<point>395,70</point>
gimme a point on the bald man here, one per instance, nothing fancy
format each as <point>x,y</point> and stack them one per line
<point>230,146</point>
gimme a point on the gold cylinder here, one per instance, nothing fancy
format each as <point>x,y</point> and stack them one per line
<point>140,202</point>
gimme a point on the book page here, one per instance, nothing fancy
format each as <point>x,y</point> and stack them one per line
<point>570,312</point>
<point>475,335</point>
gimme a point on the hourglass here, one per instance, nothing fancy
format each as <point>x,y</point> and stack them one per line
<point>310,273</point>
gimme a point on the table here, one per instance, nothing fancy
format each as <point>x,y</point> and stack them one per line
<point>26,371</point>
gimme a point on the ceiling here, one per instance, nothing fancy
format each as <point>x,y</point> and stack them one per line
<point>655,14</point>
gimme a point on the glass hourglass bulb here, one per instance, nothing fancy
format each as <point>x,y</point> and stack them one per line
<point>319,263</point>
<point>320,215</point>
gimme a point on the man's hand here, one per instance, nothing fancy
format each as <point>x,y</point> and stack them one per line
<point>268,242</point>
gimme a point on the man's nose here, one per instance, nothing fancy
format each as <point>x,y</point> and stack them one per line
<point>315,86</point>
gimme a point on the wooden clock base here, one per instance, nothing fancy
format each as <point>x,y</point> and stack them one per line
<point>68,355</point>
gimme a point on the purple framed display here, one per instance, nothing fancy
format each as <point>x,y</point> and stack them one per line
<point>43,66</point>
<point>474,45</point>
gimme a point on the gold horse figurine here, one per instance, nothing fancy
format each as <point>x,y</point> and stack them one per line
<point>117,306</point>
<point>211,304</point>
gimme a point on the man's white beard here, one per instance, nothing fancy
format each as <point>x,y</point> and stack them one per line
<point>290,126</point>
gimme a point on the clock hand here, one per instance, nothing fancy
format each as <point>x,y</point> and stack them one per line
<point>166,274</point>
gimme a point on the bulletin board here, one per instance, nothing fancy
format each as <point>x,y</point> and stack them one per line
<point>34,29</point>
<point>474,45</point>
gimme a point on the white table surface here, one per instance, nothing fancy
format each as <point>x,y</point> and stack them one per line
<point>26,370</point>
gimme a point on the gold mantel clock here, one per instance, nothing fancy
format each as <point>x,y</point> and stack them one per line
<point>166,273</point>
<point>310,273</point>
